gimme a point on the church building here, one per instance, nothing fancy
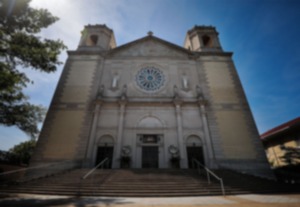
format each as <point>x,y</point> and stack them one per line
<point>151,104</point>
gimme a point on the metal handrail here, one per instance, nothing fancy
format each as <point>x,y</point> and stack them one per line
<point>208,173</point>
<point>95,168</point>
<point>100,164</point>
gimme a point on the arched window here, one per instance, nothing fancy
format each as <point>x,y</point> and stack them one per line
<point>206,41</point>
<point>92,40</point>
<point>150,122</point>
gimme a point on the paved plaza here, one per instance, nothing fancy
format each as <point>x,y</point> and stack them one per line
<point>248,200</point>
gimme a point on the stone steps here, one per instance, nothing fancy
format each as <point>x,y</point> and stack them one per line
<point>145,183</point>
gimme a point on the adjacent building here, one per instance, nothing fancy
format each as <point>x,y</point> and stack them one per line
<point>283,139</point>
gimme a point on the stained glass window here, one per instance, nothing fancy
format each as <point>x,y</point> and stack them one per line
<point>150,79</point>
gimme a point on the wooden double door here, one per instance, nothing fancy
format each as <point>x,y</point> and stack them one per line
<point>104,152</point>
<point>150,157</point>
<point>195,152</point>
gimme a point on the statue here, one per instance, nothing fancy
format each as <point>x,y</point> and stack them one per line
<point>100,92</point>
<point>185,82</point>
<point>199,93</point>
<point>123,93</point>
<point>176,93</point>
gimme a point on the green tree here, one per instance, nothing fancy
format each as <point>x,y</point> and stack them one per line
<point>21,153</point>
<point>21,47</point>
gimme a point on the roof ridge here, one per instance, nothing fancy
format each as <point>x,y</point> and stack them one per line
<point>280,127</point>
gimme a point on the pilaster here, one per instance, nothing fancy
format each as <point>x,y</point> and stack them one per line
<point>88,162</point>
<point>182,149</point>
<point>118,145</point>
<point>209,144</point>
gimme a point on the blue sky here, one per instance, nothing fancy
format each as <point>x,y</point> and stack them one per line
<point>263,35</point>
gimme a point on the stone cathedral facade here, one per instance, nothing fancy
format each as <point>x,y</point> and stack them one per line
<point>151,104</point>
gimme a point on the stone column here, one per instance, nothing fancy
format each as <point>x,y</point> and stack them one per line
<point>210,149</point>
<point>118,144</point>
<point>182,149</point>
<point>90,150</point>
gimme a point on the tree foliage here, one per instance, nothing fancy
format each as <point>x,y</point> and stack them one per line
<point>21,153</point>
<point>21,47</point>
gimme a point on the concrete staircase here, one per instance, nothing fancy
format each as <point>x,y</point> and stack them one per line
<point>145,183</point>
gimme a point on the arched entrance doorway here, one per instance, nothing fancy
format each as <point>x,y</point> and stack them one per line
<point>105,148</point>
<point>194,149</point>
<point>149,143</point>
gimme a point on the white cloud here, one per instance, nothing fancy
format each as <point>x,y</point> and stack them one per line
<point>70,23</point>
<point>73,16</point>
<point>129,19</point>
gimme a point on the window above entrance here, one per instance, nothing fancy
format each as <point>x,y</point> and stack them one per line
<point>150,139</point>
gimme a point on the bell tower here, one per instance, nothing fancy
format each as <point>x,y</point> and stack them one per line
<point>202,39</point>
<point>97,38</point>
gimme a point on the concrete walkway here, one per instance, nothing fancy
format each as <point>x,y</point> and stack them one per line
<point>249,200</point>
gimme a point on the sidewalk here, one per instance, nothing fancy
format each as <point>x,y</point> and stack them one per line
<point>249,200</point>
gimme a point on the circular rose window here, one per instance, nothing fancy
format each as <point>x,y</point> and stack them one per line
<point>150,79</point>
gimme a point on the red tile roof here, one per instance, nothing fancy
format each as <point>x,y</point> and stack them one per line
<point>280,128</point>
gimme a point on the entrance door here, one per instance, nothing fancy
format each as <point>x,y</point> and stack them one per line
<point>102,153</point>
<point>150,157</point>
<point>196,153</point>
